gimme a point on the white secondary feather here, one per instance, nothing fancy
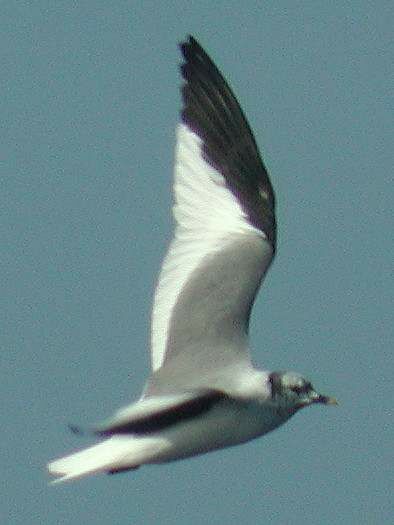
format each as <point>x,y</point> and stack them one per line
<point>207,215</point>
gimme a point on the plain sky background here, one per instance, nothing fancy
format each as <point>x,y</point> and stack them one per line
<point>89,104</point>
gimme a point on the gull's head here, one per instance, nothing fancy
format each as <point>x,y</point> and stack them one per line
<point>294,391</point>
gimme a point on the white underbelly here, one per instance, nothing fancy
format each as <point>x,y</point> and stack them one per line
<point>227,424</point>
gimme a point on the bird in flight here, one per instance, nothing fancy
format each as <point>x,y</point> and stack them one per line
<point>203,393</point>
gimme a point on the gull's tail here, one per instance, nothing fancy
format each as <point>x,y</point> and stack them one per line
<point>115,454</point>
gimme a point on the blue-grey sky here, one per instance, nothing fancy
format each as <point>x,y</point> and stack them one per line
<point>89,103</point>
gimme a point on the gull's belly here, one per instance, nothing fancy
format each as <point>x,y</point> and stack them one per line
<point>227,424</point>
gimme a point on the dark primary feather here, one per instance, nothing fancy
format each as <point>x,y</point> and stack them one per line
<point>167,417</point>
<point>211,110</point>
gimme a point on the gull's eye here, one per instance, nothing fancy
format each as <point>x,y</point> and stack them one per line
<point>302,389</point>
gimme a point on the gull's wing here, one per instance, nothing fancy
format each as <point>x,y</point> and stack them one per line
<point>225,232</point>
<point>159,412</point>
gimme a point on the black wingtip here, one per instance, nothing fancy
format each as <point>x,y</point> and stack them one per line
<point>190,44</point>
<point>211,111</point>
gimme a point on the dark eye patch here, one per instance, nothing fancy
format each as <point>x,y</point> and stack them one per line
<point>302,389</point>
<point>275,380</point>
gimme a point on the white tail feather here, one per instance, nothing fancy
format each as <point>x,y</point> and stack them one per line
<point>114,453</point>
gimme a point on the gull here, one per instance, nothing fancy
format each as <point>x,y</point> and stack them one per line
<point>204,393</point>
